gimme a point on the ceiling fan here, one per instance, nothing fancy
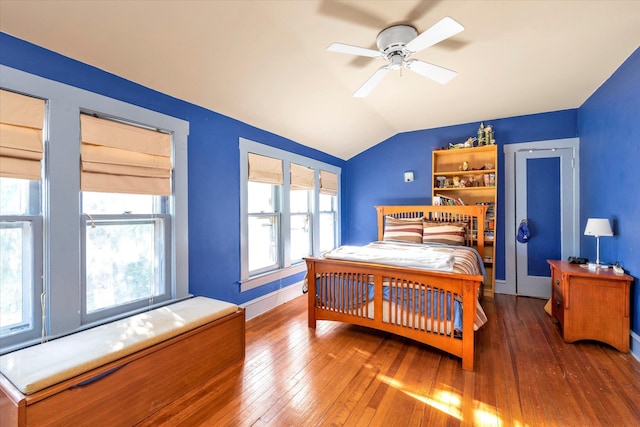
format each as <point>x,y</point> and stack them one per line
<point>396,44</point>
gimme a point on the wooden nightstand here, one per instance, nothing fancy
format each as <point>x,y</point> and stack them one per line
<point>591,304</point>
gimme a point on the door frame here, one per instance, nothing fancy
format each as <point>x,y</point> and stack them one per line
<point>511,222</point>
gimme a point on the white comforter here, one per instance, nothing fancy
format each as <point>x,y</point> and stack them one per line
<point>413,256</point>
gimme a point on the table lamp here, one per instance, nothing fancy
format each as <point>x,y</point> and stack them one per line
<point>598,227</point>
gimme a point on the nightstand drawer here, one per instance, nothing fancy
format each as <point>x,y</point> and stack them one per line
<point>556,306</point>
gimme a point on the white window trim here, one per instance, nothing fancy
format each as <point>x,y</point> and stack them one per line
<point>246,146</point>
<point>34,267</point>
<point>61,189</point>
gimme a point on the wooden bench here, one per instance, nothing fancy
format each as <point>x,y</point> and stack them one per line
<point>119,373</point>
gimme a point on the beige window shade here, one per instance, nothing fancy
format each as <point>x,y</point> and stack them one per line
<point>328,183</point>
<point>265,169</point>
<point>122,158</point>
<point>302,178</point>
<point>21,122</point>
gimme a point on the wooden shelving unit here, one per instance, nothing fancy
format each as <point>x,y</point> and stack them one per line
<point>469,176</point>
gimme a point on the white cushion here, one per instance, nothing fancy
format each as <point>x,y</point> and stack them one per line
<point>35,368</point>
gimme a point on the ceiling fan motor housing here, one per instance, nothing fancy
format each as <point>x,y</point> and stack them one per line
<point>392,41</point>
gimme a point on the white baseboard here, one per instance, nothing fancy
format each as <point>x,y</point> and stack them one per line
<point>503,288</point>
<point>635,345</point>
<point>270,301</point>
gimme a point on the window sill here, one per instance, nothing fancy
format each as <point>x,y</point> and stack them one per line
<point>272,276</point>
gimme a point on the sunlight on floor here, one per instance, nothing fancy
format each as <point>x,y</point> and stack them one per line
<point>449,401</point>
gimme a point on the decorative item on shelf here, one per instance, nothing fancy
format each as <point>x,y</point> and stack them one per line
<point>456,181</point>
<point>488,132</point>
<point>598,227</point>
<point>465,166</point>
<point>485,135</point>
<point>481,140</point>
<point>467,144</point>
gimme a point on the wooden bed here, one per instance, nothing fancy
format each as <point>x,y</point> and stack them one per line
<point>337,289</point>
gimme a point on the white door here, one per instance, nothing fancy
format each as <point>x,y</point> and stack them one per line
<point>545,195</point>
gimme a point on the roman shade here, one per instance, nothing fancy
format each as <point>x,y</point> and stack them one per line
<point>122,158</point>
<point>302,178</point>
<point>328,183</point>
<point>265,169</point>
<point>21,123</point>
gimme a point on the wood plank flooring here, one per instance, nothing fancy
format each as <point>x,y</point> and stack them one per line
<point>343,375</point>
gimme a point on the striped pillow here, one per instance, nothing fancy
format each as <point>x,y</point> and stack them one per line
<point>403,229</point>
<point>451,233</point>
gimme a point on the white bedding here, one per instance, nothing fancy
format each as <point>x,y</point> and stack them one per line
<point>413,256</point>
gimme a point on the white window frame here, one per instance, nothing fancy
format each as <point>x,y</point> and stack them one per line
<point>163,240</point>
<point>286,268</point>
<point>276,217</point>
<point>61,194</point>
<point>32,278</point>
<point>310,214</point>
<point>334,213</point>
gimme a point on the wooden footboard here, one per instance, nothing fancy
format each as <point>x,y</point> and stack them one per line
<point>416,304</point>
<point>127,390</point>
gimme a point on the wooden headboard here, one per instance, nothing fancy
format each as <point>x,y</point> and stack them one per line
<point>473,216</point>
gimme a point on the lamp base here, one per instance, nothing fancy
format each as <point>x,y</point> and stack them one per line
<point>594,265</point>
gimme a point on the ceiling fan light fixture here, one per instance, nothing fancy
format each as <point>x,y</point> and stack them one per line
<point>396,61</point>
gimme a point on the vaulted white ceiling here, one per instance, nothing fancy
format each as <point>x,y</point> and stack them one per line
<point>265,63</point>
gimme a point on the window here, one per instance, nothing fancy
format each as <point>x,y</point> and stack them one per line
<point>125,181</point>
<point>328,219</point>
<point>21,152</point>
<point>264,220</point>
<point>87,245</point>
<point>302,183</point>
<point>20,259</point>
<point>301,224</point>
<point>328,210</point>
<point>284,215</point>
<point>124,258</point>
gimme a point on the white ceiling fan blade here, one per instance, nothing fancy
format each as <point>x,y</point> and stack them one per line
<point>354,50</point>
<point>373,81</point>
<point>443,29</point>
<point>434,72</point>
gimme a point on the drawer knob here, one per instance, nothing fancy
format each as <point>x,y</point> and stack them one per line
<point>557,282</point>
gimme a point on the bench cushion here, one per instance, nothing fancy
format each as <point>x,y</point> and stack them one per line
<point>35,368</point>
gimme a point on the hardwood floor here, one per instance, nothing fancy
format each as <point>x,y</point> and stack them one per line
<point>525,375</point>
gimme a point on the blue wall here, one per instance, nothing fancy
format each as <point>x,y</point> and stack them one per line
<point>375,177</point>
<point>213,155</point>
<point>609,129</point>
